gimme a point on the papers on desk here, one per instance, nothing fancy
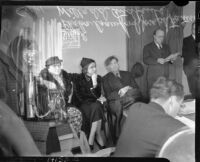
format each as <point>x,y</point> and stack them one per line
<point>186,121</point>
<point>188,107</point>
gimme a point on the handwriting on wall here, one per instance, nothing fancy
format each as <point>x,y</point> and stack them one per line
<point>107,17</point>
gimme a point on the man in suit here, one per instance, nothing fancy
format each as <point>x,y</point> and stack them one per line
<point>155,56</point>
<point>190,60</point>
<point>149,125</point>
<point>120,90</point>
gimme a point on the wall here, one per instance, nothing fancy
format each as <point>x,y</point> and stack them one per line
<point>112,41</point>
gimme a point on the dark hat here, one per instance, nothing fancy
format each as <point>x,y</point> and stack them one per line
<point>52,61</point>
<point>86,61</point>
<point>137,70</point>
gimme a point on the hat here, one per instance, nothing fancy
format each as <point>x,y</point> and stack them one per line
<point>52,61</point>
<point>86,61</point>
<point>137,70</point>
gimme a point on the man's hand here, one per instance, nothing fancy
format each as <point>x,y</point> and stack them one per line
<point>172,57</point>
<point>123,91</point>
<point>102,99</point>
<point>161,60</point>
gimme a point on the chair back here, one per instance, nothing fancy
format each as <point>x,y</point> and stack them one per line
<point>180,147</point>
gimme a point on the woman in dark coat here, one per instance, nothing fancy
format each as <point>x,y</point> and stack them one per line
<point>55,89</point>
<point>90,99</point>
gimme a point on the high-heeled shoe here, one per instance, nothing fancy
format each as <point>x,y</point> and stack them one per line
<point>100,147</point>
<point>91,147</point>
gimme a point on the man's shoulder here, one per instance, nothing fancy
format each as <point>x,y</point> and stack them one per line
<point>138,105</point>
<point>127,73</point>
<point>106,76</point>
<point>149,45</point>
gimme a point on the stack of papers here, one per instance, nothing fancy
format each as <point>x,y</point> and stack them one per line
<point>188,107</point>
<point>172,57</point>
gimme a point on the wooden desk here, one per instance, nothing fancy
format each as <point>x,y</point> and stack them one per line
<point>46,134</point>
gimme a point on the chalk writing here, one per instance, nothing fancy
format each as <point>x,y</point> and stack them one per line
<point>106,17</point>
<point>71,38</point>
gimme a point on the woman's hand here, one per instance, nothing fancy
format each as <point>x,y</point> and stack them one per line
<point>123,91</point>
<point>102,99</point>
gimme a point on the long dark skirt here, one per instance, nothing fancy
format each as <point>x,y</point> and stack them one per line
<point>92,111</point>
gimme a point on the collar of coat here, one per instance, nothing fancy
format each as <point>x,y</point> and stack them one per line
<point>49,77</point>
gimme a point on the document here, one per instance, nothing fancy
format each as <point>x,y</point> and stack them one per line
<point>188,107</point>
<point>172,57</point>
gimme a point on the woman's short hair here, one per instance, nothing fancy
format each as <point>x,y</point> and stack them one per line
<point>109,59</point>
<point>85,68</point>
<point>164,88</point>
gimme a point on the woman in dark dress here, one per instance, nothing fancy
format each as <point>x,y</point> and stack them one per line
<point>88,94</point>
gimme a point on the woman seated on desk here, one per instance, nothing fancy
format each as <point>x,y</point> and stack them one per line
<point>89,98</point>
<point>55,89</point>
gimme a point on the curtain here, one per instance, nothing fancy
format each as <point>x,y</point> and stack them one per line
<point>49,41</point>
<point>142,21</point>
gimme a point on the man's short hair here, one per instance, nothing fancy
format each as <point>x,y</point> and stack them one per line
<point>155,31</point>
<point>109,59</point>
<point>164,88</point>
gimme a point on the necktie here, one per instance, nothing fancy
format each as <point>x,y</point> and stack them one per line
<point>159,46</point>
<point>117,75</point>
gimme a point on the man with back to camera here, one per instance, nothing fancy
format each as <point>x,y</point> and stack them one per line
<point>148,126</point>
<point>156,55</point>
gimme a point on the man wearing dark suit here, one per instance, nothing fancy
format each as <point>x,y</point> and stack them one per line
<point>149,125</point>
<point>155,57</point>
<point>190,56</point>
<point>120,89</point>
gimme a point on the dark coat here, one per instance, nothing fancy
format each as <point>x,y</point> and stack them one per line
<point>189,50</point>
<point>191,60</point>
<point>150,55</point>
<point>145,129</point>
<point>85,97</point>
<point>84,90</point>
<point>11,80</point>
<point>112,84</point>
<point>43,90</point>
